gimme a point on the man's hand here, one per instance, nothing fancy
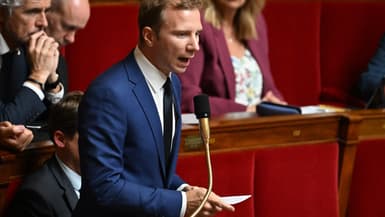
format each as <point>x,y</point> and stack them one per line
<point>43,55</point>
<point>213,205</point>
<point>15,137</point>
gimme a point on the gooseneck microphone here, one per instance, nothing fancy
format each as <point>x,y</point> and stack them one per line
<point>202,113</point>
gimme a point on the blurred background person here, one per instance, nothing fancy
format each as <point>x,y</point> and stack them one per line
<point>372,81</point>
<point>65,18</point>
<point>14,137</point>
<point>232,65</point>
<point>53,190</point>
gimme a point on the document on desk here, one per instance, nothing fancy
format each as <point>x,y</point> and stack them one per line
<point>314,109</point>
<point>235,199</point>
<point>189,118</point>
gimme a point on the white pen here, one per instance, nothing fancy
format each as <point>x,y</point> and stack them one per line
<point>33,126</point>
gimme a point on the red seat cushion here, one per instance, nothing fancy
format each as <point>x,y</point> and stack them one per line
<point>368,182</point>
<point>300,181</point>
<point>233,174</point>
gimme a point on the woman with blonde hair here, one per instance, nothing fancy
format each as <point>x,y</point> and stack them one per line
<point>232,65</point>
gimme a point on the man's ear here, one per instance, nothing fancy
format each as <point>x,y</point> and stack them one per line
<point>59,139</point>
<point>148,36</point>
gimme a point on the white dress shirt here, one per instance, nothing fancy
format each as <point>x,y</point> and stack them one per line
<point>75,178</point>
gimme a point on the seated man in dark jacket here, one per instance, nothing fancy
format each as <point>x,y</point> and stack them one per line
<point>53,190</point>
<point>371,83</point>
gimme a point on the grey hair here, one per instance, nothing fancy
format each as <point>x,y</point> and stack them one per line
<point>10,3</point>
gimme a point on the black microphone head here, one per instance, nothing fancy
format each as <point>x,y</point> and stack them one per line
<point>202,106</point>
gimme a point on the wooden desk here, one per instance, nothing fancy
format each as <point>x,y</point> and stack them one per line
<point>246,130</point>
<point>373,123</point>
<point>13,165</point>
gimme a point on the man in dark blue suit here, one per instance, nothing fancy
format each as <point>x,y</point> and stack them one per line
<point>65,19</point>
<point>371,83</point>
<point>128,168</point>
<point>29,81</point>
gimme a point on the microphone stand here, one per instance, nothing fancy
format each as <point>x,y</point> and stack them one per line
<point>205,135</point>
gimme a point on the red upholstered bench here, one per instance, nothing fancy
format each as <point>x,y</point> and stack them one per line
<point>233,174</point>
<point>296,181</point>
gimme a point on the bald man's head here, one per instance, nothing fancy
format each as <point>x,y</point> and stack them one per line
<point>66,18</point>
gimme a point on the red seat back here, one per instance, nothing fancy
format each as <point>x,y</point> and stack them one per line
<point>109,36</point>
<point>350,32</point>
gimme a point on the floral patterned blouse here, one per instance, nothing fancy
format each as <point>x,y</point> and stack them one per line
<point>248,79</point>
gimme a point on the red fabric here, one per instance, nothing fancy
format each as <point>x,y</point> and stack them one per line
<point>368,183</point>
<point>294,31</point>
<point>298,181</point>
<point>10,193</point>
<point>350,32</point>
<point>109,36</point>
<point>233,174</point>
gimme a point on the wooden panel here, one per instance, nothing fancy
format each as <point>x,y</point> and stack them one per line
<point>245,130</point>
<point>373,123</point>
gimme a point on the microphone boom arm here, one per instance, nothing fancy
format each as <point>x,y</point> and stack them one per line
<point>205,136</point>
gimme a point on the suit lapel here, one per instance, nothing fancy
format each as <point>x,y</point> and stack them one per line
<point>254,48</point>
<point>225,61</point>
<point>148,106</point>
<point>64,183</point>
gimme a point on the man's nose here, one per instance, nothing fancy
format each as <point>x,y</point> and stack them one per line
<point>194,43</point>
<point>41,20</point>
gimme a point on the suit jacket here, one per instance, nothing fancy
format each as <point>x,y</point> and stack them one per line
<point>18,104</point>
<point>121,148</point>
<point>212,72</point>
<point>372,78</point>
<point>45,193</point>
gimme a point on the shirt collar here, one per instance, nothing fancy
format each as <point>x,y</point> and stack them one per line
<point>3,45</point>
<point>75,179</point>
<point>154,77</point>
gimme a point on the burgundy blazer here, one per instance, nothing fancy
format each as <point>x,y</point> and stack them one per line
<point>211,71</point>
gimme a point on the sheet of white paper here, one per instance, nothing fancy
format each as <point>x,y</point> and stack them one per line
<point>235,199</point>
<point>189,118</point>
<point>314,109</point>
